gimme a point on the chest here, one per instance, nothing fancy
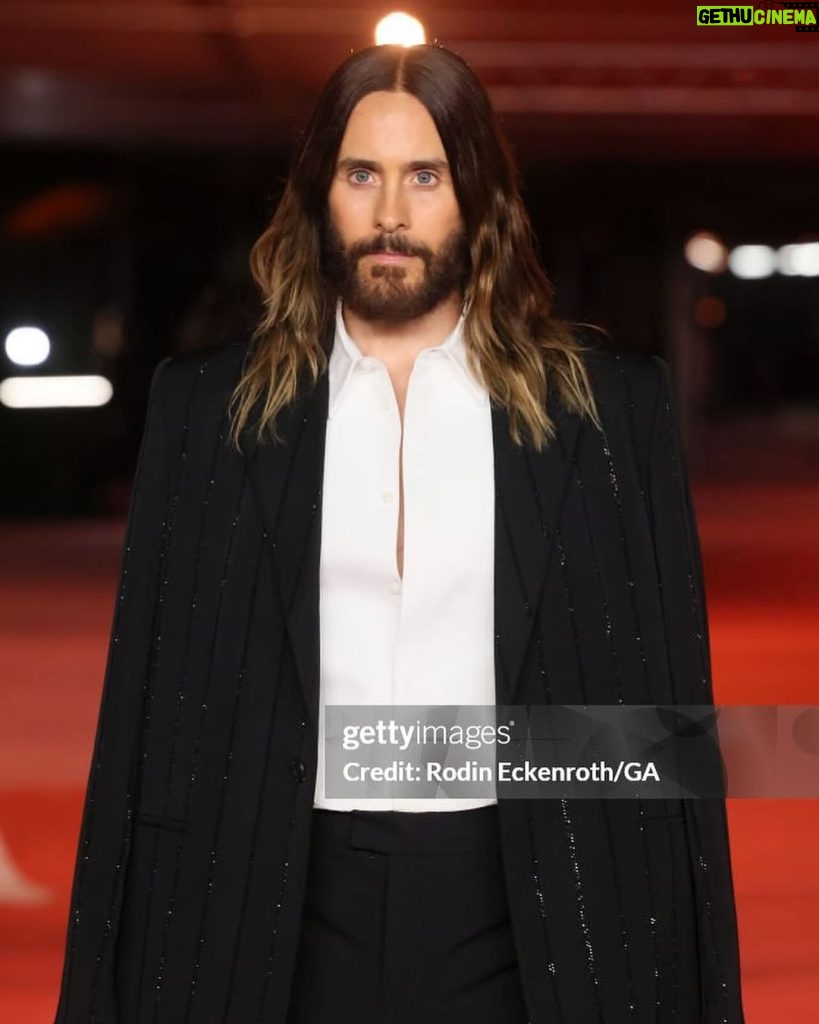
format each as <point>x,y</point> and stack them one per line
<point>408,479</point>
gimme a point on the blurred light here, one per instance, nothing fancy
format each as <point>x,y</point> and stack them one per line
<point>34,83</point>
<point>107,332</point>
<point>709,312</point>
<point>27,346</point>
<point>752,261</point>
<point>799,259</point>
<point>58,209</point>
<point>705,251</point>
<point>54,392</point>
<point>399,29</point>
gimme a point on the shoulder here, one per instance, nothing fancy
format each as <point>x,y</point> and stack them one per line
<point>618,375</point>
<point>629,388</point>
<point>626,385</point>
<point>213,370</point>
<point>190,392</point>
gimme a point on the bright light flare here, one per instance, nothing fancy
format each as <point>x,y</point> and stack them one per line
<point>705,251</point>
<point>752,261</point>
<point>399,29</point>
<point>27,346</point>
<point>55,392</point>
<point>800,259</point>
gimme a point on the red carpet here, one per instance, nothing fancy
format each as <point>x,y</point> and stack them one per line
<point>56,602</point>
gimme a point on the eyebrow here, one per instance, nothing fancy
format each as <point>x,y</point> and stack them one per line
<point>434,164</point>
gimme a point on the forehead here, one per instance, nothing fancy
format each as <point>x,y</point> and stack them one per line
<point>391,125</point>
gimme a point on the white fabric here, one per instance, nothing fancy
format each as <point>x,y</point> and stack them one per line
<point>429,638</point>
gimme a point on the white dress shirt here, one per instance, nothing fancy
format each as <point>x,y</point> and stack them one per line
<point>427,638</point>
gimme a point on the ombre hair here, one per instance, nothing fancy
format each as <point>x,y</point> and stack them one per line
<point>520,351</point>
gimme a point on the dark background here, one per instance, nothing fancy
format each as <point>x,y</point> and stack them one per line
<point>143,147</point>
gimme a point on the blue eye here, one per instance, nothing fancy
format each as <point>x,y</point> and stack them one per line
<point>429,175</point>
<point>358,180</point>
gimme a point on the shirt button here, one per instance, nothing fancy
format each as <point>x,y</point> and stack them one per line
<point>366,363</point>
<point>395,587</point>
<point>386,497</point>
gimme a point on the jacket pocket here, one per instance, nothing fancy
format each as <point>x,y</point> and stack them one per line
<point>162,821</point>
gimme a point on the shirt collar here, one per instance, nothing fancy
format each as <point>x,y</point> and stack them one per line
<point>346,354</point>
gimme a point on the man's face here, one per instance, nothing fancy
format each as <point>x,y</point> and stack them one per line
<point>395,237</point>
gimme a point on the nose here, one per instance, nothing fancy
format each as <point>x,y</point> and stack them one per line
<point>391,211</point>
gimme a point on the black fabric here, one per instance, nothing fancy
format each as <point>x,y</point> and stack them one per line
<point>406,920</point>
<point>192,864</point>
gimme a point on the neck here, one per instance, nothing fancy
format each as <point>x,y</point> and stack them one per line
<point>400,343</point>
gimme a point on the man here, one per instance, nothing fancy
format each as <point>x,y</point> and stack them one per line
<point>413,486</point>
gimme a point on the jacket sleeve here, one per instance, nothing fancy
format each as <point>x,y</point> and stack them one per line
<point>87,992</point>
<point>679,564</point>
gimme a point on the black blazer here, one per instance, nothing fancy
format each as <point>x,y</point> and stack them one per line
<point>190,872</point>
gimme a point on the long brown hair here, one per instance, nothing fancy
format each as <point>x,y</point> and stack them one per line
<point>519,349</point>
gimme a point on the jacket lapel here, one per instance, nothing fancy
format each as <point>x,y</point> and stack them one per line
<point>287,479</point>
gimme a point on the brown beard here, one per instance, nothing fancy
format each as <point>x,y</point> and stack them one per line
<point>383,295</point>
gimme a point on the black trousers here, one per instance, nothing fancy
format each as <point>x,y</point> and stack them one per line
<point>406,921</point>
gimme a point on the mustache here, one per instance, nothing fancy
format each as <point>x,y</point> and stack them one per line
<point>384,243</point>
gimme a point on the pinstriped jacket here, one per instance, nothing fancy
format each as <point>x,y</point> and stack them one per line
<point>191,865</point>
